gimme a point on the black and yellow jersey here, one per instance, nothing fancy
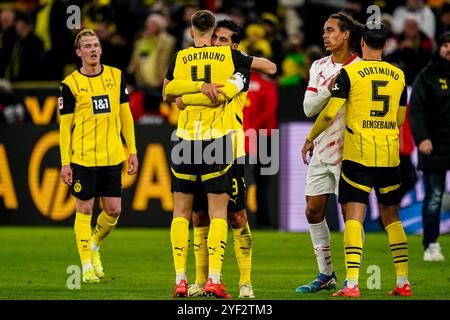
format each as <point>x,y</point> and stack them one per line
<point>208,64</point>
<point>376,97</point>
<point>94,112</point>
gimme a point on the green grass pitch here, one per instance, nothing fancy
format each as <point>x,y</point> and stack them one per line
<point>138,265</point>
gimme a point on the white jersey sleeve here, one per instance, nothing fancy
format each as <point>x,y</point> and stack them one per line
<point>316,96</point>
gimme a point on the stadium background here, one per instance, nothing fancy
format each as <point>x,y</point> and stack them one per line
<point>138,37</point>
<point>36,210</point>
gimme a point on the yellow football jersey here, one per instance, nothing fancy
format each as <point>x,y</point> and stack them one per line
<point>212,65</point>
<point>97,103</point>
<point>374,90</point>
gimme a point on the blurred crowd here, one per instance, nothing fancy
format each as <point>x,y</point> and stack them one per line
<point>140,36</point>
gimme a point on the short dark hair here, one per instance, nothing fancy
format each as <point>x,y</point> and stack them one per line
<point>203,20</point>
<point>375,35</point>
<point>348,23</point>
<point>238,31</point>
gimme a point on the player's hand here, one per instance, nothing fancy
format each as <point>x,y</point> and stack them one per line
<point>308,146</point>
<point>331,83</point>
<point>180,104</point>
<point>426,147</point>
<point>66,174</point>
<point>212,91</point>
<point>132,164</point>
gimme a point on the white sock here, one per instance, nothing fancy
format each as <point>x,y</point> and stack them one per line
<point>94,247</point>
<point>215,277</point>
<point>179,277</point>
<point>87,266</point>
<point>320,236</point>
<point>401,281</point>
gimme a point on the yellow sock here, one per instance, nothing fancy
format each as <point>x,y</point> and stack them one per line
<point>217,241</point>
<point>399,248</point>
<point>201,254</point>
<point>105,224</point>
<point>243,247</point>
<point>353,248</point>
<point>82,230</point>
<point>179,236</point>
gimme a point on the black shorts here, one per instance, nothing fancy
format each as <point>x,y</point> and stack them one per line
<point>357,181</point>
<point>92,182</point>
<point>237,200</point>
<point>209,162</point>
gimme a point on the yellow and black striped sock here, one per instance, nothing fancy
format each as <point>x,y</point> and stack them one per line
<point>353,249</point>
<point>399,248</point>
<point>105,225</point>
<point>179,236</point>
<point>243,244</point>
<point>82,229</point>
<point>217,242</point>
<point>201,254</point>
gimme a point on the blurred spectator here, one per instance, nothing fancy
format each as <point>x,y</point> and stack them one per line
<point>96,11</point>
<point>275,37</point>
<point>236,14</point>
<point>443,24</point>
<point>152,53</point>
<point>313,53</point>
<point>51,28</point>
<point>391,43</point>
<point>255,40</point>
<point>28,53</point>
<point>294,66</point>
<point>116,51</point>
<point>293,20</point>
<point>414,49</point>
<point>425,17</point>
<point>8,37</point>
<point>186,39</point>
<point>430,124</point>
<point>10,110</point>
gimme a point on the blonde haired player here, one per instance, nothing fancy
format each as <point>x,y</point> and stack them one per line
<point>94,112</point>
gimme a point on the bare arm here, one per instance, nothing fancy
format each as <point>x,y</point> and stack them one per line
<point>263,65</point>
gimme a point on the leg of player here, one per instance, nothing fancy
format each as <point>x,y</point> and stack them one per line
<point>399,248</point>
<point>106,221</point>
<point>353,243</point>
<point>243,244</point>
<point>217,241</point>
<point>320,236</point>
<point>82,230</point>
<point>179,235</point>
<point>201,221</point>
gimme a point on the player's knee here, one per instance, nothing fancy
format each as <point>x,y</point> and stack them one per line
<point>238,219</point>
<point>114,211</point>
<point>85,207</point>
<point>314,215</point>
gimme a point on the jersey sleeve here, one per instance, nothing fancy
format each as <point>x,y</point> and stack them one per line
<point>66,100</point>
<point>312,82</point>
<point>404,97</point>
<point>179,87</point>
<point>123,90</point>
<point>169,74</point>
<point>241,60</point>
<point>341,88</point>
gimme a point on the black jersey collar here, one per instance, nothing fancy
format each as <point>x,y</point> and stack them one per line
<point>92,76</point>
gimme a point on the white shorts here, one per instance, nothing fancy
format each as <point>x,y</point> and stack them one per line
<point>322,178</point>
